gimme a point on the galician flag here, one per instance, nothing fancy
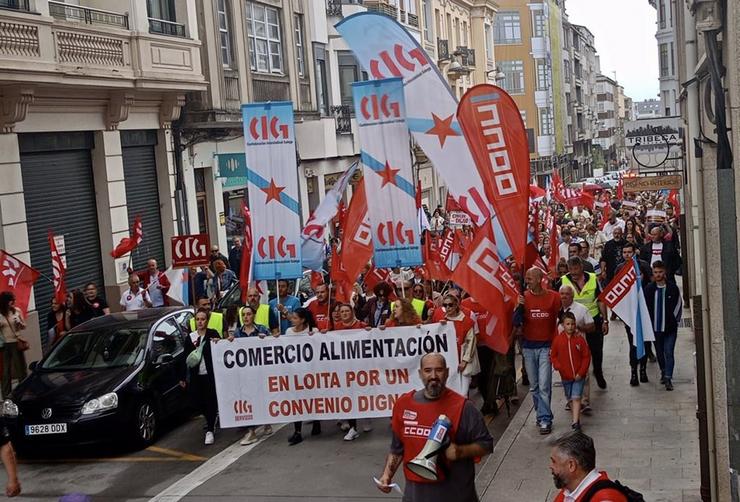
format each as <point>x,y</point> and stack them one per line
<point>625,297</point>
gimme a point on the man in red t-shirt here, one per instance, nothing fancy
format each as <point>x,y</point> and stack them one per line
<point>540,321</point>
<point>321,307</point>
<point>573,468</point>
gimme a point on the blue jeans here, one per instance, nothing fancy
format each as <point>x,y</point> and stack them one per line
<point>665,344</point>
<point>539,371</point>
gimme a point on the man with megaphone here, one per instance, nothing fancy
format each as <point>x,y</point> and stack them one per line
<point>438,435</point>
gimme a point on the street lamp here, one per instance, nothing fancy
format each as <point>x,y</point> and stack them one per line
<point>498,76</point>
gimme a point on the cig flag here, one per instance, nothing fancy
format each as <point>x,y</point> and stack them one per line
<point>624,296</point>
<point>313,248</point>
<point>269,145</point>
<point>17,277</point>
<point>388,178</point>
<point>385,49</point>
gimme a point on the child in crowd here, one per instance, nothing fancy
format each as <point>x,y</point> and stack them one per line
<point>571,358</point>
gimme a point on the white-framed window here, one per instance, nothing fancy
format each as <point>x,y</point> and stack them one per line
<point>223,29</point>
<point>514,71</point>
<point>543,75</point>
<point>427,11</point>
<point>489,42</point>
<point>663,48</point>
<point>300,49</point>
<point>263,33</point>
<point>464,33</point>
<point>507,28</point>
<point>546,128</point>
<point>539,28</point>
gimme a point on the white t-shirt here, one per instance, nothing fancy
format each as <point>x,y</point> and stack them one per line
<point>583,316</point>
<point>292,331</point>
<point>563,250</point>
<point>131,301</point>
<point>155,294</point>
<point>657,253</point>
<point>202,370</point>
<point>609,228</point>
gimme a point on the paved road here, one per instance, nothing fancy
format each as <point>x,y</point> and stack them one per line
<point>180,467</point>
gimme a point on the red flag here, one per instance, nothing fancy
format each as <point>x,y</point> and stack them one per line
<point>128,244</point>
<point>317,279</point>
<point>418,194</point>
<point>557,183</point>
<point>375,276</point>
<point>448,250</point>
<point>357,244</point>
<point>533,258</point>
<point>59,271</point>
<point>620,188</point>
<point>339,279</point>
<point>606,212</point>
<point>17,277</point>
<point>572,197</point>
<point>488,281</point>
<point>495,133</point>
<point>673,200</point>
<point>433,265</point>
<point>536,192</point>
<point>451,204</point>
<point>245,270</point>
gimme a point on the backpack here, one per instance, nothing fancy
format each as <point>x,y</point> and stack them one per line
<point>632,495</point>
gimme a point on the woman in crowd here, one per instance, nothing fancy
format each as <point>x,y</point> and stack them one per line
<point>250,329</point>
<point>302,323</point>
<point>347,319</point>
<point>202,384</point>
<point>56,322</point>
<point>11,326</point>
<point>403,315</point>
<point>231,321</point>
<point>76,309</point>
<point>336,318</point>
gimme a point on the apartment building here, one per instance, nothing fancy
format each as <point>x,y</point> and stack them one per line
<point>647,108</point>
<point>667,51</point>
<point>580,81</point>
<point>607,107</point>
<point>529,52</point>
<point>89,92</point>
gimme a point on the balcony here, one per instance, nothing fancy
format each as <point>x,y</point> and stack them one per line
<point>75,13</point>
<point>343,118</point>
<point>382,7</point>
<point>82,46</point>
<point>169,28</point>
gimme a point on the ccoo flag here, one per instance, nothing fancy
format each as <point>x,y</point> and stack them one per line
<point>388,178</point>
<point>495,133</point>
<point>272,180</point>
<point>624,296</point>
<point>386,49</point>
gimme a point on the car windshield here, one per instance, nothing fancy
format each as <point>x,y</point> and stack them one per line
<point>104,348</point>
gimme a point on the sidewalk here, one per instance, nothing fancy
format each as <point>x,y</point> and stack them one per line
<point>645,437</point>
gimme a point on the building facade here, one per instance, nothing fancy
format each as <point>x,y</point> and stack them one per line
<point>647,108</point>
<point>88,99</point>
<point>607,108</point>
<point>528,41</point>
<point>580,81</point>
<point>666,37</point>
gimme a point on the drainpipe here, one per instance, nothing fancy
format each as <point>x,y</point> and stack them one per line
<point>181,201</point>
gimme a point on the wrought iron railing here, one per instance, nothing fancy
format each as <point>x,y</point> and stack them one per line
<point>163,27</point>
<point>64,11</point>
<point>343,118</point>
<point>334,8</point>
<point>15,5</point>
<point>413,20</point>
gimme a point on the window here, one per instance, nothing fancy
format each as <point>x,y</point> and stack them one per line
<point>322,79</point>
<point>543,80</point>
<point>567,71</point>
<point>514,81</point>
<point>448,28</point>
<point>663,60</point>
<point>349,72</point>
<point>507,28</point>
<point>426,9</point>
<point>538,23</point>
<point>489,43</point>
<point>223,28</point>
<point>673,64</point>
<point>438,22</point>
<point>458,40</point>
<point>546,128</point>
<point>464,33</point>
<point>161,9</point>
<point>661,14</point>
<point>263,32</point>
<point>300,54</point>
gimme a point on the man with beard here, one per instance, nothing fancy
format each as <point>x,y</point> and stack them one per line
<point>612,255</point>
<point>573,468</point>
<point>414,415</point>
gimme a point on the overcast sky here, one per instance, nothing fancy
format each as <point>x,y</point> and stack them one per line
<point>625,41</point>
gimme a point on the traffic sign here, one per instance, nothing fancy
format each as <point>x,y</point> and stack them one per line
<point>190,250</point>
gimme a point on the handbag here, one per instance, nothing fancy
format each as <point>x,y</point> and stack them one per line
<point>22,345</point>
<point>194,358</point>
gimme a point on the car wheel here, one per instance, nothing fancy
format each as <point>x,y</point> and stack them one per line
<point>145,423</point>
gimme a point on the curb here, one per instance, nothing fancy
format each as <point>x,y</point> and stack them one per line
<point>487,472</point>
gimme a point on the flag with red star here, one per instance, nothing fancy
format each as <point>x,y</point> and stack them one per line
<point>272,182</point>
<point>388,175</point>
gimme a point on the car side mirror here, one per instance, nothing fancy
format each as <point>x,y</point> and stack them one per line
<point>164,359</point>
<point>33,365</point>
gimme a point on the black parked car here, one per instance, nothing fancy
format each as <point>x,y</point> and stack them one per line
<point>112,378</point>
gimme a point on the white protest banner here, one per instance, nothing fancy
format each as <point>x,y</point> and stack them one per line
<point>459,218</point>
<point>655,215</point>
<point>340,374</point>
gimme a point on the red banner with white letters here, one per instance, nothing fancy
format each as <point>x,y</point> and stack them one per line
<point>496,136</point>
<point>18,278</point>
